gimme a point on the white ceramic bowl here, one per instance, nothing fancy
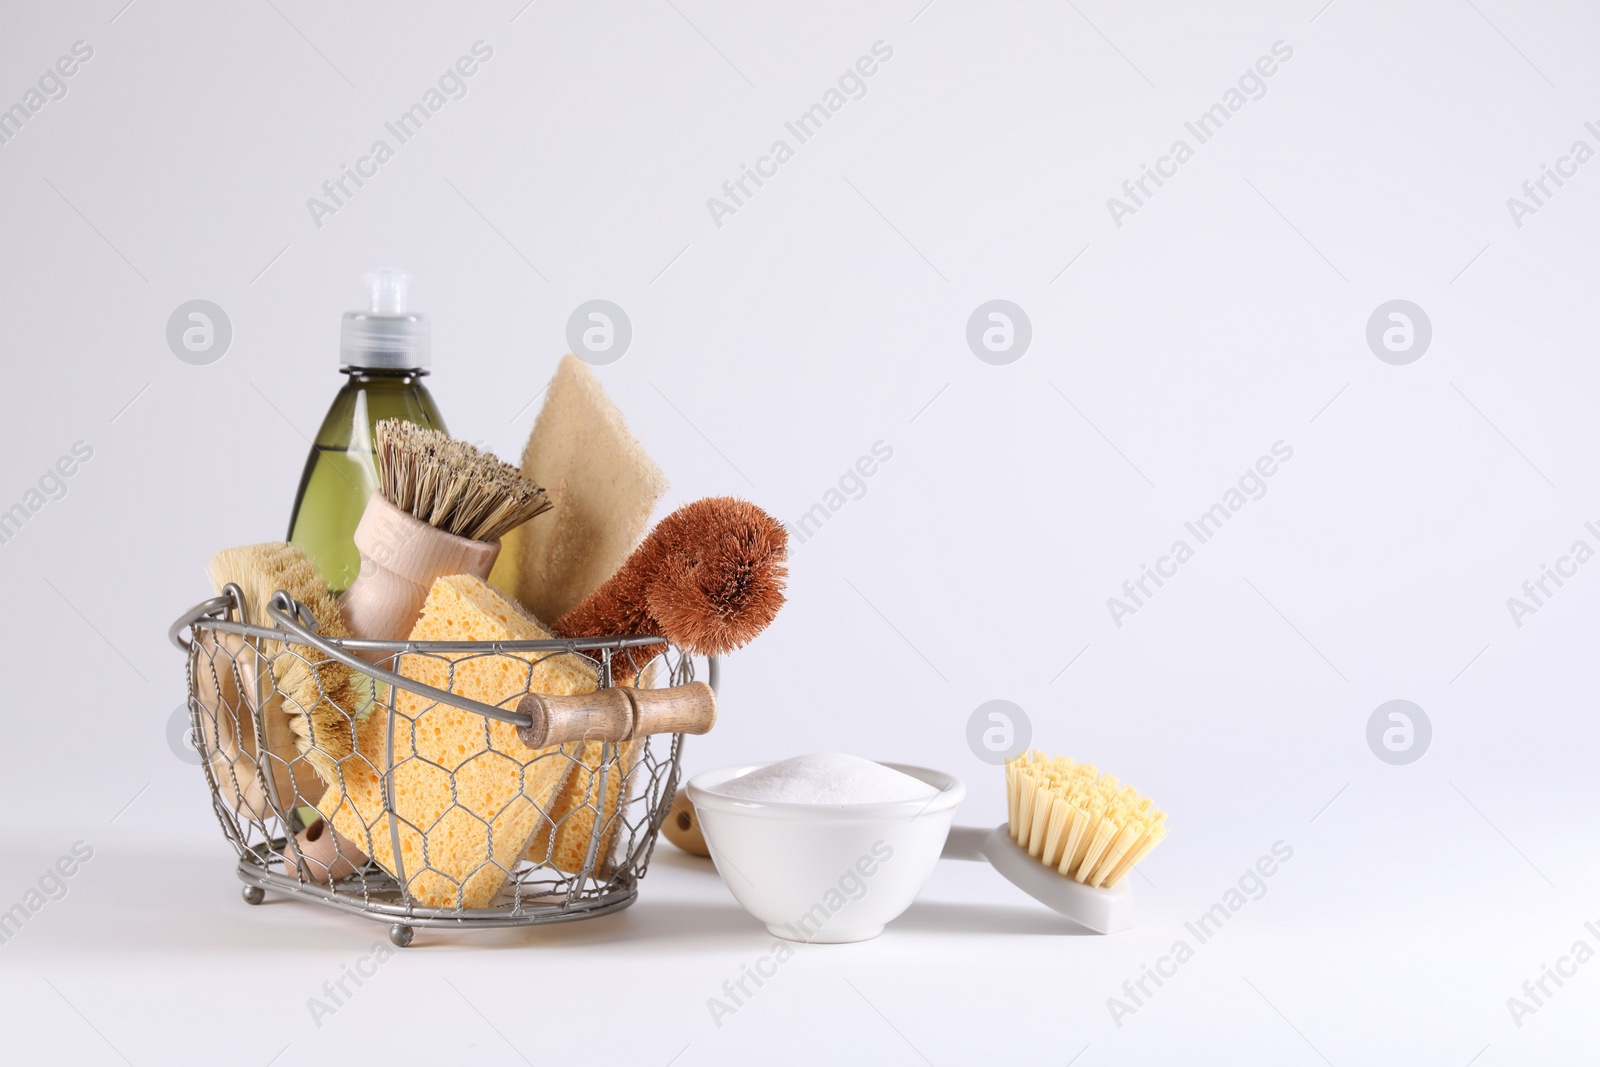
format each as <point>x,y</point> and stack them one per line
<point>825,873</point>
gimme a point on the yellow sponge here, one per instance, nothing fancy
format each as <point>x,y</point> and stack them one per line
<point>573,812</point>
<point>469,796</point>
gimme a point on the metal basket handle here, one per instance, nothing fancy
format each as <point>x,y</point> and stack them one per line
<point>194,615</point>
<point>615,714</point>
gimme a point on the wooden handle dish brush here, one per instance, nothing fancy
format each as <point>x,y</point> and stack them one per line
<point>1071,837</point>
<point>440,509</point>
<point>682,826</point>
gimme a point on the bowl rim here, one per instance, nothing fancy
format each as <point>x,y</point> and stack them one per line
<point>702,793</point>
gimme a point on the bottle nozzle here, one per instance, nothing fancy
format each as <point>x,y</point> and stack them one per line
<point>387,335</point>
<point>388,291</point>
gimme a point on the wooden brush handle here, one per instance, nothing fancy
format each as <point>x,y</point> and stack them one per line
<point>401,556</point>
<point>618,714</point>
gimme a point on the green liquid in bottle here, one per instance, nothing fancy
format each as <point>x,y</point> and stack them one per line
<point>341,472</point>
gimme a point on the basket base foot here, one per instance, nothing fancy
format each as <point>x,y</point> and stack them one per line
<point>253,894</point>
<point>401,934</point>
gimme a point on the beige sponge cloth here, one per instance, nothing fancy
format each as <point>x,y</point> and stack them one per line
<point>604,487</point>
<point>468,794</point>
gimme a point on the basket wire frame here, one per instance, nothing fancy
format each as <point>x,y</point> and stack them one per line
<point>263,798</point>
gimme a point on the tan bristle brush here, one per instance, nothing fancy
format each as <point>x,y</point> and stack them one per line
<point>1072,835</point>
<point>440,509</point>
<point>321,698</point>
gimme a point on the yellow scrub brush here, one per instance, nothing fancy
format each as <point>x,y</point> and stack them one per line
<point>1071,837</point>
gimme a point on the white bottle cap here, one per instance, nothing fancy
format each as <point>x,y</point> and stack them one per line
<point>386,336</point>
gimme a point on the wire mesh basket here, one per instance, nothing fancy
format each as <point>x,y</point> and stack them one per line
<point>590,776</point>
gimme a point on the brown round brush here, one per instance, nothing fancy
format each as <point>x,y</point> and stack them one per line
<point>708,578</point>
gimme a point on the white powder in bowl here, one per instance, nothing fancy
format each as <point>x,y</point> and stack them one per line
<point>827,778</point>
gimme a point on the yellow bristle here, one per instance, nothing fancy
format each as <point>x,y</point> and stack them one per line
<point>1060,815</point>
<point>1087,825</point>
<point>1012,789</point>
<point>1077,840</point>
<point>1025,803</point>
<point>1043,807</point>
<point>1103,832</point>
<point>1124,841</point>
<point>1151,840</point>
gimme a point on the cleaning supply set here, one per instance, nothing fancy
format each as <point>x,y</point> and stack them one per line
<point>457,696</point>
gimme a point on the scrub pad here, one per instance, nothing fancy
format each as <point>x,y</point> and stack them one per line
<point>469,796</point>
<point>604,488</point>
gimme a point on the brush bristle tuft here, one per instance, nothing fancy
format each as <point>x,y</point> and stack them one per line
<point>719,597</point>
<point>709,578</point>
<point>1083,823</point>
<point>451,485</point>
<point>321,697</point>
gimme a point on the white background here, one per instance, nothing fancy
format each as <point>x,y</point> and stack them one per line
<point>769,354</point>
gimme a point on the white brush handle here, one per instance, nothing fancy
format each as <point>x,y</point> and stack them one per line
<point>1105,911</point>
<point>401,557</point>
<point>966,843</point>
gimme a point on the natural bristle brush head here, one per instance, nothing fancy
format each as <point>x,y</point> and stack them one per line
<point>321,698</point>
<point>726,583</point>
<point>1084,824</point>
<point>451,485</point>
<point>440,509</point>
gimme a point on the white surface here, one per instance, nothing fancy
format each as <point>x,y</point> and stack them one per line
<point>769,355</point>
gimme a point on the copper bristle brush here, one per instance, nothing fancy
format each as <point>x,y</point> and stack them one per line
<point>440,509</point>
<point>708,578</point>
